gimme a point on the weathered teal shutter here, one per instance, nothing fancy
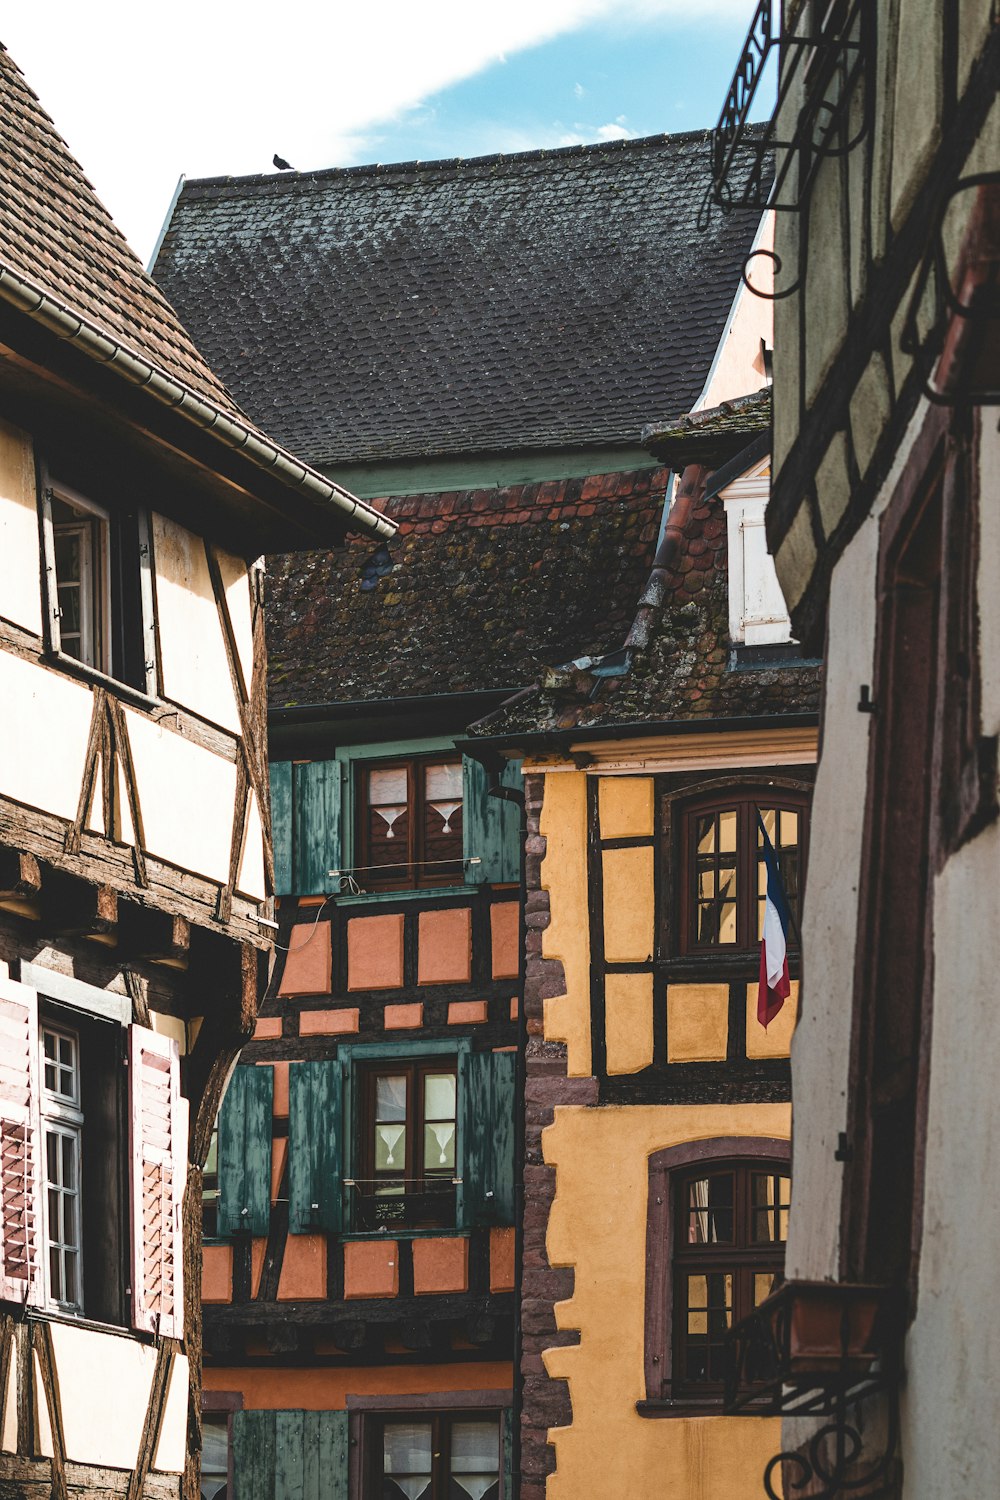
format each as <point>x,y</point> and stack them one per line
<point>245,1152</point>
<point>315,1146</point>
<point>486,1099</point>
<point>507,1442</point>
<point>317,826</point>
<point>492,826</point>
<point>289,1455</point>
<point>281,825</point>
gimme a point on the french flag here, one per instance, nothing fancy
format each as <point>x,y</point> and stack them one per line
<point>774,987</point>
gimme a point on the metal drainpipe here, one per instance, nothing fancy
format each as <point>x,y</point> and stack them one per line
<point>494,788</point>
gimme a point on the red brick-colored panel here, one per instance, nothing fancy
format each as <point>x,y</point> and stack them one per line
<point>403,1017</point>
<point>309,965</point>
<point>440,1265</point>
<point>267,1027</point>
<point>444,954</point>
<point>217,1273</point>
<point>303,1268</point>
<point>258,1249</point>
<point>461,1012</point>
<point>501,1260</point>
<point>371,1268</point>
<point>505,931</point>
<point>280,1095</point>
<point>328,1022</point>
<point>375,952</point>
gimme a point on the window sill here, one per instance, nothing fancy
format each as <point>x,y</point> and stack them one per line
<point>91,1325</point>
<point>691,1408</point>
<point>434,893</point>
<point>74,668</point>
<point>374,1236</point>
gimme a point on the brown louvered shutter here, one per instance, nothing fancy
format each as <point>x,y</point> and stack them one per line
<point>158,1173</point>
<point>20,1146</point>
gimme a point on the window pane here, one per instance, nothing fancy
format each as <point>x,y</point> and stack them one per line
<point>706,835</point>
<point>709,1315</point>
<point>390,1148</point>
<point>214,1456</point>
<point>443,820</point>
<point>764,1283</point>
<point>443,782</point>
<point>727,832</point>
<point>710,1210</point>
<point>769,1197</point>
<point>406,1460</point>
<point>439,1147</point>
<point>387,788</point>
<point>475,1460</point>
<point>390,1097</point>
<point>439,1096</point>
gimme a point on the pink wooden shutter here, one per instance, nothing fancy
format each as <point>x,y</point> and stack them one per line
<point>158,1172</point>
<point>20,1147</point>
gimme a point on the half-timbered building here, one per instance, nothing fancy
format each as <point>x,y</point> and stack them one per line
<point>136,871</point>
<point>656,1118</point>
<point>884,521</point>
<point>533,312</point>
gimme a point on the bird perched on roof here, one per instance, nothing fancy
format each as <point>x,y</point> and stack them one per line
<point>281,164</point>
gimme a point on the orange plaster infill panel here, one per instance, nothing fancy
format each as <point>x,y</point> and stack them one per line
<point>505,931</point>
<point>279,1155</point>
<point>271,1389</point>
<point>371,1268</point>
<point>217,1273</point>
<point>280,1096</point>
<point>258,1249</point>
<point>441,1265</point>
<point>267,1027</point>
<point>403,1017</point>
<point>463,1011</point>
<point>501,1260</point>
<point>444,952</point>
<point>515,1007</point>
<point>328,1022</point>
<point>303,1268</point>
<point>309,965</point>
<point>375,952</point>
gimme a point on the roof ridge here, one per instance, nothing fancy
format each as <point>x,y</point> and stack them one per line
<point>284,181</point>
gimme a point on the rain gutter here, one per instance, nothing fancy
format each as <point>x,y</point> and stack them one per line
<point>265,455</point>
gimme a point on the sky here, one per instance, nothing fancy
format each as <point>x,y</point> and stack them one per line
<point>204,88</point>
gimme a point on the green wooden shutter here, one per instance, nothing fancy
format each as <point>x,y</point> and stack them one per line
<point>507,1448</point>
<point>245,1152</point>
<point>315,1146</point>
<point>486,1099</point>
<point>492,826</point>
<point>317,826</point>
<point>290,1455</point>
<point>281,826</point>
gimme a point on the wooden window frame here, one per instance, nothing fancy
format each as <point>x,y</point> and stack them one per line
<point>421,875</point>
<point>441,1417</point>
<point>667,1170</point>
<point>415,1069</point>
<point>61,1116</point>
<point>222,1404</point>
<point>743,800</point>
<point>125,657</point>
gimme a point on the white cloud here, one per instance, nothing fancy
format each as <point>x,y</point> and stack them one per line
<point>579,90</point>
<point>141,95</point>
<point>615,131</point>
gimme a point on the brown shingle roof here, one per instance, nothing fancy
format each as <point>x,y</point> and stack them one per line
<point>56,233</point>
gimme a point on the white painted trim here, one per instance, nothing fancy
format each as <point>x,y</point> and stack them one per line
<point>690,752</point>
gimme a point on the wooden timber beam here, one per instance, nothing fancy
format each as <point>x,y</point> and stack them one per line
<point>76,908</point>
<point>20,884</point>
<point>156,937</point>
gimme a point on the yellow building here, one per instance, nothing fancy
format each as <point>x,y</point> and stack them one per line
<point>656,1113</point>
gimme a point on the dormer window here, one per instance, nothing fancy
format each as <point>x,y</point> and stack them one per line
<point>98,588</point>
<point>758,615</point>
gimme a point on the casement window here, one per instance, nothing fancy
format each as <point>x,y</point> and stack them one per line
<point>368,821</point>
<point>731,1222</point>
<point>723,873</point>
<point>409,828</point>
<point>444,1456</point>
<point>214,1456</point>
<point>407,1145</point>
<point>98,586</point>
<point>76,1126</point>
<point>758,615</point>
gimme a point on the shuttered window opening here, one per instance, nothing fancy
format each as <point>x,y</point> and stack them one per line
<point>20,1216</point>
<point>159,1168</point>
<point>421,822</point>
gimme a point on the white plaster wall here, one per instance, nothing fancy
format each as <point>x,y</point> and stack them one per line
<point>821,1044</point>
<point>236,582</point>
<point>250,881</point>
<point>20,572</point>
<point>951,1438</point>
<point>738,368</point>
<point>186,798</point>
<point>192,648</point>
<point>43,744</point>
<point>172,1443</point>
<point>89,1367</point>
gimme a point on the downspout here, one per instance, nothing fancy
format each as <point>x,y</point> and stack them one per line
<point>689,493</point>
<point>261,451</point>
<point>495,788</point>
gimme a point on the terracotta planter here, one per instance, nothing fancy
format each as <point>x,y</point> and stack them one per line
<point>831,1330</point>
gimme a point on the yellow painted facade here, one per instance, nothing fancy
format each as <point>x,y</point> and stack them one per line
<point>567,938</point>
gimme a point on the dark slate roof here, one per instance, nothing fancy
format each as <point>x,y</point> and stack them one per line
<point>487,586</point>
<point>548,299</point>
<point>56,234</point>
<point>711,434</point>
<point>676,662</point>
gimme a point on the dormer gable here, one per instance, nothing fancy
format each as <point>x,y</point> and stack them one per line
<point>758,615</point>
